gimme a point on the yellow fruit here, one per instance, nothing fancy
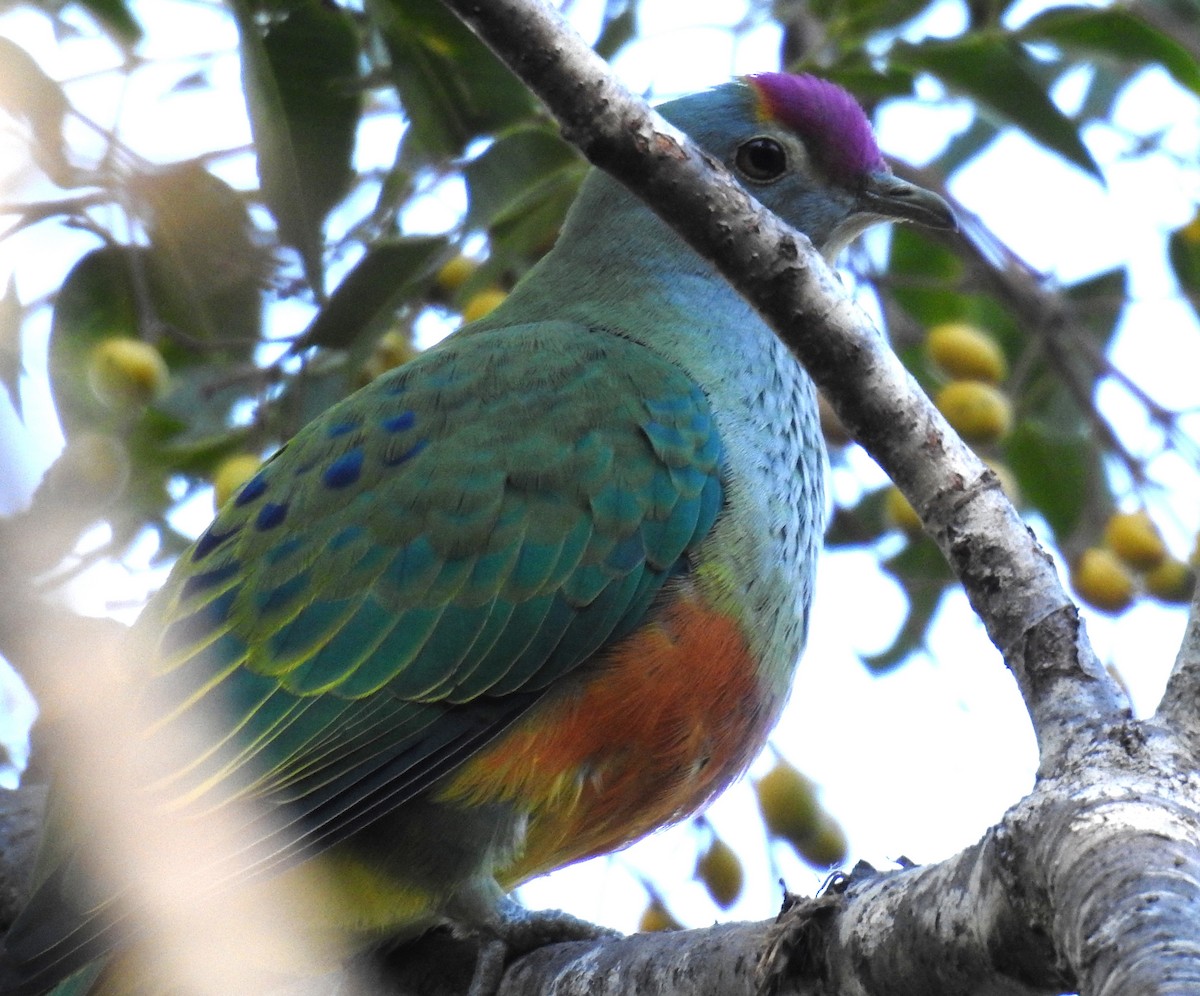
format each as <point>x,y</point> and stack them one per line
<point>656,917</point>
<point>835,433</point>
<point>788,803</point>
<point>394,349</point>
<point>1171,581</point>
<point>900,512</point>
<point>1191,231</point>
<point>978,411</point>
<point>455,273</point>
<point>721,872</point>
<point>965,352</point>
<point>826,846</point>
<point>1102,580</point>
<point>483,303</point>
<point>231,474</point>
<point>1134,538</point>
<point>127,373</point>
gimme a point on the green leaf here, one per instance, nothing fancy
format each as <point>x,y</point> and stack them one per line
<point>207,266</point>
<point>116,18</point>
<point>850,22</point>
<point>1113,32</point>
<point>11,368</point>
<point>924,575</point>
<point>1054,471</point>
<point>304,100</point>
<point>964,146</point>
<point>452,86</point>
<point>617,32</point>
<point>1098,302</point>
<point>367,296</point>
<point>514,173</point>
<point>26,92</point>
<point>997,74</point>
<point>97,300</point>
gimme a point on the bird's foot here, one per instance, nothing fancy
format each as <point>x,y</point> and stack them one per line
<point>517,931</point>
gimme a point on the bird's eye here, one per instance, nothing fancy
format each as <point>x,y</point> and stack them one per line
<point>761,160</point>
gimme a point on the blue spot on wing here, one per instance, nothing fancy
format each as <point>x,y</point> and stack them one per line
<point>210,541</point>
<point>345,470</point>
<point>252,489</point>
<point>401,422</point>
<point>208,579</point>
<point>271,515</point>
<point>340,429</point>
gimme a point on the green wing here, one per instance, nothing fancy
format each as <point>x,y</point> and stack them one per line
<point>408,575</point>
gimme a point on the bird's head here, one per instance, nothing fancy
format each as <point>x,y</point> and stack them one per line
<point>805,149</point>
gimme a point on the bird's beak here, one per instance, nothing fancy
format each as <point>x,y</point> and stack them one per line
<point>888,196</point>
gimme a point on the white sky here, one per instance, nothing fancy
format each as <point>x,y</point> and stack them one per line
<point>917,763</point>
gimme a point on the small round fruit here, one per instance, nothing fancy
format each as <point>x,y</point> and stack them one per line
<point>1134,538</point>
<point>455,273</point>
<point>965,352</point>
<point>394,349</point>
<point>656,917</point>
<point>1103,581</point>
<point>788,803</point>
<point>900,512</point>
<point>721,872</point>
<point>127,373</point>
<point>978,411</point>
<point>483,303</point>
<point>1172,582</point>
<point>231,474</point>
<point>826,846</point>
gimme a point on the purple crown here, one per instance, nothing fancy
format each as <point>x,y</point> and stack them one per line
<point>837,133</point>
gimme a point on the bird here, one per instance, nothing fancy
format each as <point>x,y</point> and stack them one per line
<point>532,595</point>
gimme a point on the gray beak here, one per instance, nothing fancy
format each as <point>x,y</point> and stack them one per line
<point>886,195</point>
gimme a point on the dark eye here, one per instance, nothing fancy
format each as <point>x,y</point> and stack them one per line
<point>761,159</point>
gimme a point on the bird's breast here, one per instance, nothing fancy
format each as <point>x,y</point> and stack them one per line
<point>656,725</point>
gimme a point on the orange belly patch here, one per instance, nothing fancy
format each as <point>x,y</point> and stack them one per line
<point>660,723</point>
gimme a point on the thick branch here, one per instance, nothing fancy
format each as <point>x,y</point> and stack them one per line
<point>1178,710</point>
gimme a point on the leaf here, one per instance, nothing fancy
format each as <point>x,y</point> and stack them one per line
<point>304,101</point>
<point>851,21</point>
<point>967,144</point>
<point>997,74</point>
<point>924,575</point>
<point>26,92</point>
<point>617,32</point>
<point>97,300</point>
<point>367,295</point>
<point>204,256</point>
<point>452,86</point>
<point>1054,471</point>
<point>1098,303</point>
<point>11,368</point>
<point>513,174</point>
<point>1114,32</point>
<point>116,18</point>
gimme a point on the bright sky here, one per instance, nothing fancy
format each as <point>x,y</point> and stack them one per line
<point>920,762</point>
